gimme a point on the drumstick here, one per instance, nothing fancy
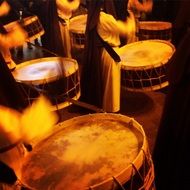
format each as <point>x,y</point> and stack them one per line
<point>44,49</point>
<point>85,105</point>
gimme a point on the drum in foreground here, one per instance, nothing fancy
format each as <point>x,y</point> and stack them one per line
<point>155,30</point>
<point>144,65</point>
<point>97,152</point>
<point>55,77</point>
<point>32,26</point>
<point>77,29</point>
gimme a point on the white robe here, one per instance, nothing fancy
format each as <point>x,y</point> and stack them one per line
<point>110,30</point>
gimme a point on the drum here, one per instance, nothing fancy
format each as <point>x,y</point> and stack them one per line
<point>77,31</point>
<point>144,65</point>
<point>97,152</point>
<point>32,26</point>
<point>55,77</point>
<point>155,30</point>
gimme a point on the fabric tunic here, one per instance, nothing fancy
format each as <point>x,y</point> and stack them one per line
<point>64,29</point>
<point>100,78</point>
<point>110,29</point>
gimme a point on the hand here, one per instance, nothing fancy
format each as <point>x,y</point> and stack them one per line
<point>4,8</point>
<point>16,37</point>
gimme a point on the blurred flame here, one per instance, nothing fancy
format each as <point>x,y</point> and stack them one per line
<point>37,120</point>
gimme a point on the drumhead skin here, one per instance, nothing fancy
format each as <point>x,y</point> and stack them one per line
<point>86,152</point>
<point>42,70</point>
<point>146,54</point>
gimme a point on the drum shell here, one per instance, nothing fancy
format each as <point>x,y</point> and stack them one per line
<point>142,161</point>
<point>32,26</point>
<point>155,30</point>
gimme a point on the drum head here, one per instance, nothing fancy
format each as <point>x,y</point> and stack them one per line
<point>86,151</point>
<point>42,70</point>
<point>146,54</point>
<point>78,24</point>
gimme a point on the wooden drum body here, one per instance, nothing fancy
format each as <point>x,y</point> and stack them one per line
<point>144,65</point>
<point>77,29</point>
<point>155,30</point>
<point>55,77</point>
<point>32,26</point>
<point>97,152</point>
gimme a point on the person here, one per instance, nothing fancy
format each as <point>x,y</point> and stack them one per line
<point>100,77</point>
<point>17,10</point>
<point>54,16</point>
<point>171,151</point>
<point>17,128</point>
<point>139,9</point>
<point>123,13</point>
<point>4,10</point>
<point>10,96</point>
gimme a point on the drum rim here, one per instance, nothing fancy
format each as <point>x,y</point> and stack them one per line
<point>72,29</point>
<point>124,175</point>
<point>26,20</point>
<point>35,61</point>
<point>127,67</point>
<point>148,88</point>
<point>145,25</point>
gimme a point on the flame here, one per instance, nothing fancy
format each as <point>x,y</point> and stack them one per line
<point>38,120</point>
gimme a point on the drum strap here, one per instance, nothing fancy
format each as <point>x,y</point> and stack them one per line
<point>110,50</point>
<point>61,20</point>
<point>9,147</point>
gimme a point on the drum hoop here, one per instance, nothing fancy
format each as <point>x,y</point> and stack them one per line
<point>127,67</point>
<point>125,174</point>
<point>150,88</point>
<point>65,104</point>
<point>30,19</point>
<point>35,61</point>
<point>26,20</point>
<point>35,36</point>
<point>149,25</point>
<point>73,29</point>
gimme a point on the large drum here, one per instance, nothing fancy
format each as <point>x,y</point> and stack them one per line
<point>55,77</point>
<point>97,152</point>
<point>144,65</point>
<point>32,26</point>
<point>155,30</point>
<point>77,31</point>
